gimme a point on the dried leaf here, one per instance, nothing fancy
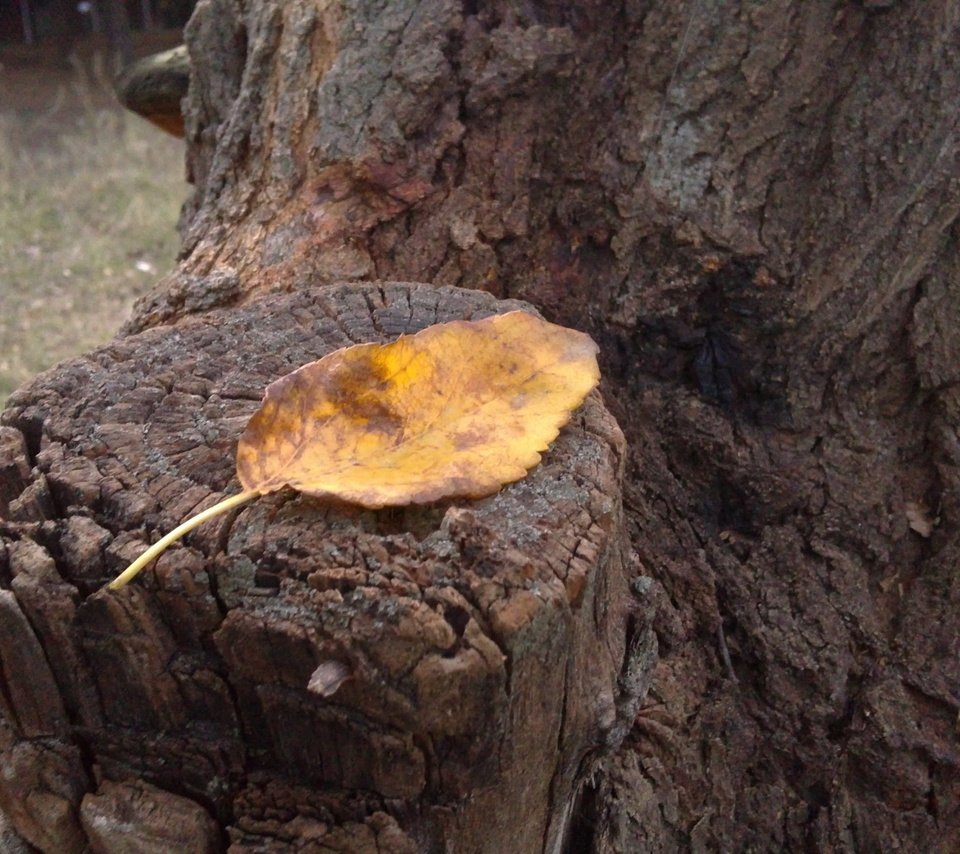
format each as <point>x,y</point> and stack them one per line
<point>328,677</point>
<point>919,518</point>
<point>458,409</point>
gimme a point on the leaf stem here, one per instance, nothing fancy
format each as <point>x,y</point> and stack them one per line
<point>164,542</point>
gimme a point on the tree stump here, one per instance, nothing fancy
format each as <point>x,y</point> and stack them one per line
<point>302,675</point>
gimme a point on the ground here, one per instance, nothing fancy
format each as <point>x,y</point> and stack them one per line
<point>89,198</point>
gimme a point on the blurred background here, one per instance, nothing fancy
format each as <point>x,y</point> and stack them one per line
<point>89,193</point>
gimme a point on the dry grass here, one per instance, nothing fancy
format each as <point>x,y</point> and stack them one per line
<point>89,198</point>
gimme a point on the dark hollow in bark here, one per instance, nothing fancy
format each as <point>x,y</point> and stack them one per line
<point>413,679</point>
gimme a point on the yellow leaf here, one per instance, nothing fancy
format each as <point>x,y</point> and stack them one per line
<point>458,409</point>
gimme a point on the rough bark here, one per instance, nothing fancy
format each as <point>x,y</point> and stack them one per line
<point>302,675</point>
<point>752,206</point>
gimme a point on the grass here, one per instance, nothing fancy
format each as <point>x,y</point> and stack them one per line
<point>89,198</point>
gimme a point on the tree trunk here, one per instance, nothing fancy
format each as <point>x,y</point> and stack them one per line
<point>116,25</point>
<point>752,207</point>
<point>65,24</point>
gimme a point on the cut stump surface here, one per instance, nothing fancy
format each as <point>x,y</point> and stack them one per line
<point>422,678</point>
